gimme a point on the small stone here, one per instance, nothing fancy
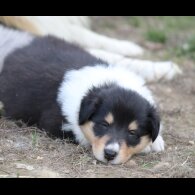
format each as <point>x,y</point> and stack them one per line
<point>23,166</point>
<point>169,148</point>
<point>1,160</point>
<point>89,171</point>
<point>52,147</point>
<point>39,158</point>
<point>191,143</point>
<point>66,171</point>
<point>94,162</point>
<point>10,141</point>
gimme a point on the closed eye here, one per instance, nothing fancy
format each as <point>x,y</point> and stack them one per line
<point>132,132</point>
<point>104,124</point>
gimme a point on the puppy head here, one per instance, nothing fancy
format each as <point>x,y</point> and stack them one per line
<point>117,122</point>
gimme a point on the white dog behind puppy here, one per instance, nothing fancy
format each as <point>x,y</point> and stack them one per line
<point>76,29</point>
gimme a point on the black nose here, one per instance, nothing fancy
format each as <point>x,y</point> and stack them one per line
<point>109,154</point>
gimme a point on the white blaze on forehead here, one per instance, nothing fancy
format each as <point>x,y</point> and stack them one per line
<point>113,146</point>
<point>133,125</point>
<point>109,118</point>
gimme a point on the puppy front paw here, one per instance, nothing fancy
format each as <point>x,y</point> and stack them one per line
<point>157,146</point>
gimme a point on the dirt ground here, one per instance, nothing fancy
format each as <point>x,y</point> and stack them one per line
<point>27,152</point>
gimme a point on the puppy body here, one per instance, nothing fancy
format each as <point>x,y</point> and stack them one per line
<point>69,93</point>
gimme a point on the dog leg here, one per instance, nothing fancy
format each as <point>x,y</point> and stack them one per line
<point>96,41</point>
<point>109,57</point>
<point>156,146</point>
<point>149,70</point>
<point>68,29</point>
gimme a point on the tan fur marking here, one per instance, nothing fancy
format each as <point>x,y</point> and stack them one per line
<point>99,144</point>
<point>87,129</point>
<point>133,126</point>
<point>126,152</point>
<point>109,118</point>
<point>20,22</point>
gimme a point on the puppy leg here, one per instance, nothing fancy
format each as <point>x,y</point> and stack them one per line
<point>158,145</point>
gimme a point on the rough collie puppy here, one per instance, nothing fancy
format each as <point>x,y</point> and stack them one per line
<point>76,29</point>
<point>66,91</point>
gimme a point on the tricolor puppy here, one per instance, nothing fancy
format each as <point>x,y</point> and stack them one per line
<point>66,91</point>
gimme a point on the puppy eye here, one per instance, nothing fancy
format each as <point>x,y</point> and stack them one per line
<point>132,132</point>
<point>104,124</point>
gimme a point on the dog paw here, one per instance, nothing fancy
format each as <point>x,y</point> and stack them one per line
<point>157,146</point>
<point>151,71</point>
<point>165,70</point>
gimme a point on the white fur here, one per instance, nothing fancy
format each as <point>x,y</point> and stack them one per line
<point>74,29</point>
<point>76,84</point>
<point>158,145</point>
<point>113,146</point>
<point>149,70</point>
<point>10,41</point>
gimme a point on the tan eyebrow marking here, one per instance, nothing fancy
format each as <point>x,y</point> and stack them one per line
<point>133,126</point>
<point>109,118</point>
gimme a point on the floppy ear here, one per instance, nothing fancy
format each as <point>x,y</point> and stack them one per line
<point>153,123</point>
<point>88,107</point>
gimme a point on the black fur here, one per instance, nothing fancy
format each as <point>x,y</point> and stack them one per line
<point>31,77</point>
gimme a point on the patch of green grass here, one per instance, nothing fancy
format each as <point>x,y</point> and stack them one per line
<point>187,49</point>
<point>166,23</point>
<point>34,138</point>
<point>148,165</point>
<point>134,21</point>
<point>156,36</point>
<point>176,22</point>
